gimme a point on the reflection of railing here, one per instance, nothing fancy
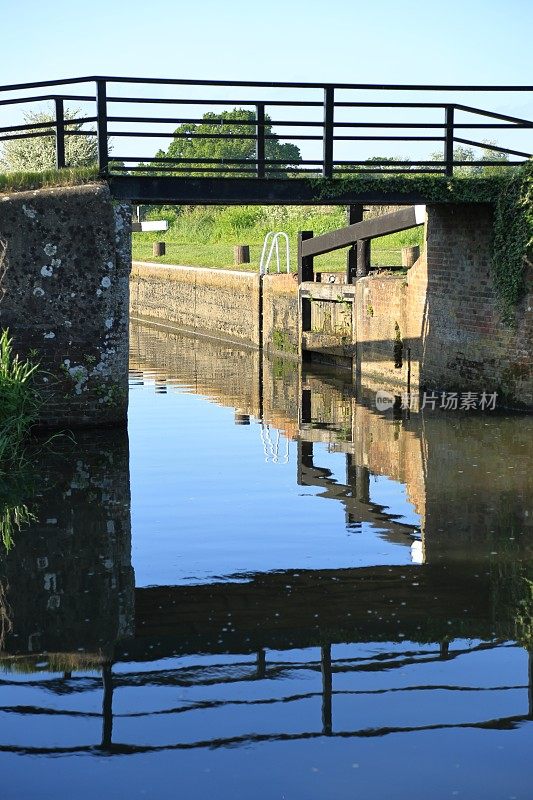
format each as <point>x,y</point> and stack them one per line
<point>274,673</point>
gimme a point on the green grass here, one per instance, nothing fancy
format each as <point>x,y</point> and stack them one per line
<point>19,403</point>
<point>26,181</point>
<point>200,236</point>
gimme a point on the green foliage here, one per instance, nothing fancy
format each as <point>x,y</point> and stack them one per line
<point>513,238</point>
<point>19,403</point>
<point>281,341</point>
<point>12,519</point>
<point>234,147</point>
<point>39,153</point>
<point>468,154</point>
<point>205,235</point>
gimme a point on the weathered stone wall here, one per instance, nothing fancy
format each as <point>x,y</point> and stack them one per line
<point>220,303</point>
<point>280,315</point>
<point>65,261</point>
<point>447,312</point>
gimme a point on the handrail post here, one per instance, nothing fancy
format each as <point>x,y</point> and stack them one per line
<point>329,106</point>
<point>60,133</point>
<point>448,143</point>
<point>260,139</point>
<point>101,115</point>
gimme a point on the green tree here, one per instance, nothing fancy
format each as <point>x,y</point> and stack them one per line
<point>232,147</point>
<point>39,153</point>
<point>468,154</point>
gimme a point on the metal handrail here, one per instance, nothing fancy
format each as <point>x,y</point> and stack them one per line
<point>325,130</point>
<point>265,263</point>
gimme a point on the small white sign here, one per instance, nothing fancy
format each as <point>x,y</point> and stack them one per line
<point>154,225</point>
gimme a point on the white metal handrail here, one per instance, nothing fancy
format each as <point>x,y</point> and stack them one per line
<point>273,238</point>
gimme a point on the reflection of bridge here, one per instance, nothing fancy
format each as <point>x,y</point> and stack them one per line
<point>282,699</point>
<point>331,120</point>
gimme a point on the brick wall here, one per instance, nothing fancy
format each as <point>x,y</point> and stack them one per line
<point>447,311</point>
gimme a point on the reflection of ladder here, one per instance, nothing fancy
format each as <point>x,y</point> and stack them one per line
<point>271,449</point>
<point>273,238</point>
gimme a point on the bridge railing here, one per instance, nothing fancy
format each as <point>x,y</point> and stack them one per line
<point>333,123</point>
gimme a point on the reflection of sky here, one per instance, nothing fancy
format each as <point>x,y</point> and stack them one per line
<point>206,504</point>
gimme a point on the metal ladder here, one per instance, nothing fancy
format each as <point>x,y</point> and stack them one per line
<point>273,238</point>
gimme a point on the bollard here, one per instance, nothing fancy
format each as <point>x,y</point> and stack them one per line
<point>241,254</point>
<point>159,249</point>
<point>410,255</point>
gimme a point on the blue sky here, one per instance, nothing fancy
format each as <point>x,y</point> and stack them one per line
<point>333,40</point>
<point>313,40</point>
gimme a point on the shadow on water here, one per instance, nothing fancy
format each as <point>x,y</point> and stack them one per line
<point>437,640</point>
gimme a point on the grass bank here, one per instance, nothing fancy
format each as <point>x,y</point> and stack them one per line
<point>47,179</point>
<point>205,236</point>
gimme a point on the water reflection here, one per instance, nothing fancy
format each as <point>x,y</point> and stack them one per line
<point>363,587</point>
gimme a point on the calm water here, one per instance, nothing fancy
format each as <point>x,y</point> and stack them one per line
<point>269,590</point>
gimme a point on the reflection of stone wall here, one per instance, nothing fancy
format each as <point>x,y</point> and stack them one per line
<point>65,257</point>
<point>281,382</point>
<point>227,374</point>
<point>220,303</point>
<point>68,578</point>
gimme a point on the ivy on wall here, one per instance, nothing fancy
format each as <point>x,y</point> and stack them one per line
<point>510,194</point>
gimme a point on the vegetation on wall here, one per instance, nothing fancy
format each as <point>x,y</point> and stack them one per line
<point>19,404</point>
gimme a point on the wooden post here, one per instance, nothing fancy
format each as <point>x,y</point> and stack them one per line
<point>354,213</point>
<point>305,263</point>
<point>241,254</point>
<point>159,249</point>
<point>363,258</point>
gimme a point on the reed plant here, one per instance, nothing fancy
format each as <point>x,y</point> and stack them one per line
<point>19,403</point>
